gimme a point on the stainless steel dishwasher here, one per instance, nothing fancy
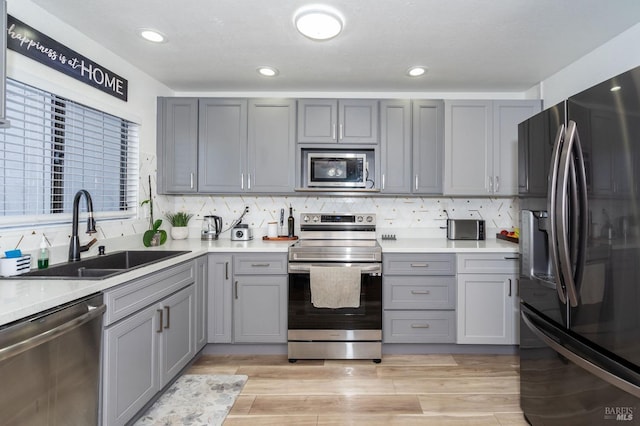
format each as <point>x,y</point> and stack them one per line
<point>50,366</point>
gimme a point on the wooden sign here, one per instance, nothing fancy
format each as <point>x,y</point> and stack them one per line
<point>33,44</point>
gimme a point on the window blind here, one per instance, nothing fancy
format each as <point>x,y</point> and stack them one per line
<point>55,147</point>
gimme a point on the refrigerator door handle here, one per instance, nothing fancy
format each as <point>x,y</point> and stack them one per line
<point>592,368</point>
<point>551,208</point>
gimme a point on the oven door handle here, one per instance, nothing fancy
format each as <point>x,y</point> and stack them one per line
<point>366,268</point>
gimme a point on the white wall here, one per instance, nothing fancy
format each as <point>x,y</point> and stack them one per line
<point>140,108</point>
<point>620,54</point>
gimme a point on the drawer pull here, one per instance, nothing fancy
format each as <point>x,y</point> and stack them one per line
<point>420,292</point>
<point>226,270</point>
<point>260,265</point>
<point>419,325</point>
<point>512,258</point>
<point>419,265</point>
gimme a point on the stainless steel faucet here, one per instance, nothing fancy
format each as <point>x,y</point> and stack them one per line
<point>74,247</point>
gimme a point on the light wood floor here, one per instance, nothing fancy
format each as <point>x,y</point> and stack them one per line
<point>402,390</point>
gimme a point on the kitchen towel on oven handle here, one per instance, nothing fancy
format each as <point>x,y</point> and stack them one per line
<point>335,286</point>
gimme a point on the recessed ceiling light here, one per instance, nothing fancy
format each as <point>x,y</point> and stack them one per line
<point>267,71</point>
<point>615,88</point>
<point>152,35</point>
<point>416,71</point>
<point>318,22</point>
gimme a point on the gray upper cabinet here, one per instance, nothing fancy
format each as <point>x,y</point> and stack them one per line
<point>395,146</point>
<point>271,145</point>
<point>222,145</point>
<point>481,146</point>
<point>338,121</point>
<point>411,141</point>
<point>226,145</point>
<point>428,141</point>
<point>177,145</point>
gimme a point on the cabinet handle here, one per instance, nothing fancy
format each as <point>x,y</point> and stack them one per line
<point>241,180</point>
<point>497,184</point>
<point>420,292</point>
<point>260,265</point>
<point>383,181</point>
<point>248,180</point>
<point>419,265</point>
<point>509,287</point>
<point>490,186</point>
<point>341,131</point>
<point>236,290</point>
<point>416,182</point>
<point>419,325</point>
<point>159,330</point>
<point>168,310</point>
<point>333,132</point>
<point>191,180</point>
<point>226,270</point>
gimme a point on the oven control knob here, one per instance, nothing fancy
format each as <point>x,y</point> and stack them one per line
<point>316,219</point>
<point>359,219</point>
<point>369,219</point>
<point>305,219</point>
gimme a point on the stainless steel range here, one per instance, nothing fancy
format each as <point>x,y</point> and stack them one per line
<point>335,288</point>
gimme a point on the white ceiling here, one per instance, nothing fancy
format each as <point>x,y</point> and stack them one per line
<point>468,45</point>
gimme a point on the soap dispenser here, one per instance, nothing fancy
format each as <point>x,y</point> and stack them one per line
<point>43,255</point>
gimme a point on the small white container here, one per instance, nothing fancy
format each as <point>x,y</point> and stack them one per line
<point>13,266</point>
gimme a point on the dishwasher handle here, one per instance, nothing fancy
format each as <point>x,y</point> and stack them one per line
<point>32,342</point>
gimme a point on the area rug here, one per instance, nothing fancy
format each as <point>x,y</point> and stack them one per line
<point>195,400</point>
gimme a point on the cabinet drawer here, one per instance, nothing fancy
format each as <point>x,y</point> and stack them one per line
<point>419,264</point>
<point>135,295</point>
<point>260,264</point>
<point>402,292</point>
<point>419,327</point>
<point>491,263</point>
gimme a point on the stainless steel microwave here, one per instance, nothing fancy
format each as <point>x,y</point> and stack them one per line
<point>336,169</point>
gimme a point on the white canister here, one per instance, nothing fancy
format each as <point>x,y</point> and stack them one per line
<point>272,229</point>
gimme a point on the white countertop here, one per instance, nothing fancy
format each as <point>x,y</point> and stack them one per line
<point>20,298</point>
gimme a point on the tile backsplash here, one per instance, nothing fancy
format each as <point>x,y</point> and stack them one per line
<point>405,216</point>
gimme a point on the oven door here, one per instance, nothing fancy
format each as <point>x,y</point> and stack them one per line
<point>304,316</point>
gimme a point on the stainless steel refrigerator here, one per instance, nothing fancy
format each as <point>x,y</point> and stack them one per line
<point>579,187</point>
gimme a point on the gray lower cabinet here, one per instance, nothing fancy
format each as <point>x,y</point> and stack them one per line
<point>248,298</point>
<point>201,283</point>
<point>149,337</point>
<point>419,298</point>
<point>220,298</point>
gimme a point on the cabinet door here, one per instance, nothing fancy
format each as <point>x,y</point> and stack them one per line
<point>222,149</point>
<point>177,145</point>
<point>507,116</point>
<point>202,281</point>
<point>358,121</point>
<point>271,151</point>
<point>428,141</point>
<point>467,149</point>
<point>178,332</point>
<point>130,366</point>
<point>220,299</point>
<point>395,143</point>
<point>485,309</point>
<point>317,120</point>
<point>260,309</point>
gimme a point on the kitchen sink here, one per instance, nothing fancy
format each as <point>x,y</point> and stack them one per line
<point>101,267</point>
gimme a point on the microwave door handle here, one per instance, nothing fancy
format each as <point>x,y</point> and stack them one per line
<point>551,208</point>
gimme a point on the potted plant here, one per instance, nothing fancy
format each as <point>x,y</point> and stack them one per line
<point>154,236</point>
<point>179,222</point>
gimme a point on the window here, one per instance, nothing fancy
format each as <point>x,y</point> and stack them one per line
<point>56,147</point>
